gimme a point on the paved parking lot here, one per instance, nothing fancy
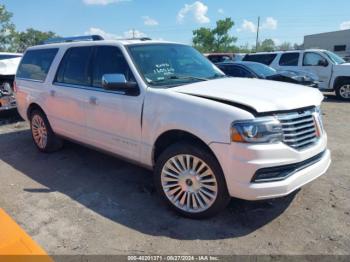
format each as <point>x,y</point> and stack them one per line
<point>79,201</point>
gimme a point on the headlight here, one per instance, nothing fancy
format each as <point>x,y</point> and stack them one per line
<point>260,130</point>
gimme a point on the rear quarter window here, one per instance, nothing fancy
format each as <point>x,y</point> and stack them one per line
<point>36,64</point>
<point>265,59</point>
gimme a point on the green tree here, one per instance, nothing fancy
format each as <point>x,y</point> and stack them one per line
<point>217,39</point>
<point>7,29</point>
<point>245,48</point>
<point>30,37</point>
<point>267,45</point>
<point>298,47</point>
<point>285,46</point>
<point>203,39</point>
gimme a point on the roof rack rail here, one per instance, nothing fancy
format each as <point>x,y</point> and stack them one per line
<point>73,39</point>
<point>137,38</point>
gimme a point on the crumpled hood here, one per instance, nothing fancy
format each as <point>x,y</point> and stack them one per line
<point>9,66</point>
<point>261,95</point>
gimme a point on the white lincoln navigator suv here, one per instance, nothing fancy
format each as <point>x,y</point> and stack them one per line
<point>163,105</point>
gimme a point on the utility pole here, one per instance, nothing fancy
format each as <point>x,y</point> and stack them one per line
<point>257,35</point>
<point>133,33</point>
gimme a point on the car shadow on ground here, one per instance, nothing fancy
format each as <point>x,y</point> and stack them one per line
<point>333,99</point>
<point>9,117</point>
<point>124,193</point>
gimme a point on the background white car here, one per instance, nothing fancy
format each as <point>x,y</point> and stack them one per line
<point>332,71</point>
<point>8,67</point>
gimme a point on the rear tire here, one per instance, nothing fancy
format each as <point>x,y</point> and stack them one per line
<point>190,180</point>
<point>343,91</point>
<point>43,136</point>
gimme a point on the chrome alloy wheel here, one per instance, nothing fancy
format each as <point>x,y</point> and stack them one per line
<point>344,91</point>
<point>39,131</point>
<point>189,183</point>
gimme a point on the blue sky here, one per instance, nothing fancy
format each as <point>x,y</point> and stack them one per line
<point>174,20</point>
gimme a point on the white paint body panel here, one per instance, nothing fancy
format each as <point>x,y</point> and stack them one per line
<point>129,126</point>
<point>9,66</point>
<point>262,95</point>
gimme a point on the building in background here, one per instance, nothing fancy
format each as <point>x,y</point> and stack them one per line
<point>337,42</point>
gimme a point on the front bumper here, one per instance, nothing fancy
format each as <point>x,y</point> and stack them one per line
<point>240,162</point>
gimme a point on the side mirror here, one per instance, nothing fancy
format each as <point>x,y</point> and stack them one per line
<point>322,62</point>
<point>117,82</point>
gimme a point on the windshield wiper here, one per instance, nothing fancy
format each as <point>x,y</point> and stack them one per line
<point>218,76</point>
<point>179,77</point>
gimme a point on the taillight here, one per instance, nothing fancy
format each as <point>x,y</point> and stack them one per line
<point>14,87</point>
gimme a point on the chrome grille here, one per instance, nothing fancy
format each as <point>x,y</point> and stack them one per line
<point>299,128</point>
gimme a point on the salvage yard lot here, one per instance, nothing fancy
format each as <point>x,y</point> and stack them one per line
<point>79,201</point>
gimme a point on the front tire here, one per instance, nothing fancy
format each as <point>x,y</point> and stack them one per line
<point>43,136</point>
<point>343,91</point>
<point>190,180</point>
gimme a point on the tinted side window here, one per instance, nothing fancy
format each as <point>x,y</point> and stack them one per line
<point>214,59</point>
<point>235,71</point>
<point>36,64</point>
<point>75,67</point>
<point>265,59</point>
<point>312,59</point>
<point>3,57</point>
<point>219,58</point>
<point>109,60</point>
<point>289,59</point>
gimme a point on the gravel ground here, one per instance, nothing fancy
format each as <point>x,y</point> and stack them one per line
<point>79,201</point>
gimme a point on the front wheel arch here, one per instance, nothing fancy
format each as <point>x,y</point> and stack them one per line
<point>174,136</point>
<point>32,107</point>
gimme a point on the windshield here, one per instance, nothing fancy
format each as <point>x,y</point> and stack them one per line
<point>172,64</point>
<point>261,70</point>
<point>335,58</point>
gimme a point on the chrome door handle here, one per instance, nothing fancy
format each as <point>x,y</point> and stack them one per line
<point>52,92</point>
<point>93,100</point>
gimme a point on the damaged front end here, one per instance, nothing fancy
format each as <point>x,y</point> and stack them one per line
<point>7,97</point>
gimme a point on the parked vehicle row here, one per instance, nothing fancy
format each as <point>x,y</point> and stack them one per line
<point>224,57</point>
<point>8,66</point>
<point>333,71</point>
<point>261,71</point>
<point>162,105</point>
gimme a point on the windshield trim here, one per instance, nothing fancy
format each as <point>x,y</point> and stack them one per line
<point>139,71</point>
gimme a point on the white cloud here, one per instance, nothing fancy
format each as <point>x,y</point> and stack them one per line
<point>149,21</point>
<point>103,2</point>
<point>270,23</point>
<point>247,26</point>
<point>198,10</point>
<point>221,11</point>
<point>134,33</point>
<point>105,35</point>
<point>345,25</point>
<point>110,36</point>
